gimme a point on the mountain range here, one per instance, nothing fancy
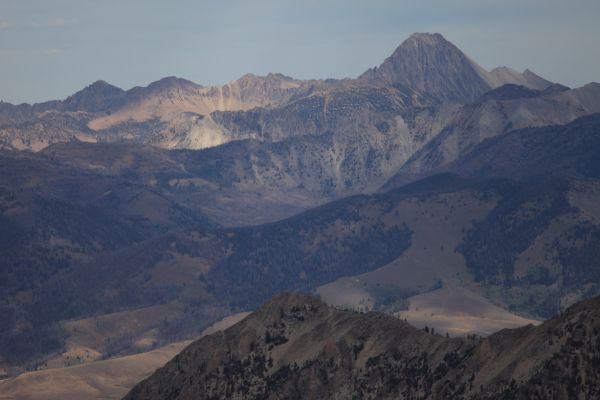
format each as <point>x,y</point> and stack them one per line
<point>427,188</point>
<point>318,140</point>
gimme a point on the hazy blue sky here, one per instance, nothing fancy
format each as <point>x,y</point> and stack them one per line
<point>52,48</point>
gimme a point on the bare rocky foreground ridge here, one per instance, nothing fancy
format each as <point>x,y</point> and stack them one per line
<point>106,379</point>
<point>296,347</point>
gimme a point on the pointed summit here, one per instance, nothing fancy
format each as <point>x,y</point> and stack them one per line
<point>170,83</point>
<point>99,86</point>
<point>96,97</point>
<point>429,63</point>
<point>419,38</point>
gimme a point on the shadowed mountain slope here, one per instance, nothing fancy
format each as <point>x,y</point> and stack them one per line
<point>495,114</point>
<point>561,150</point>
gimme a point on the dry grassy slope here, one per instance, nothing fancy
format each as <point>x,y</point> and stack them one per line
<point>94,335</point>
<point>106,379</point>
<point>529,247</point>
<point>295,347</point>
<point>459,311</point>
<point>109,379</point>
<point>438,223</point>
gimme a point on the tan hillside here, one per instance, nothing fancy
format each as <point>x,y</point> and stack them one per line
<point>105,379</point>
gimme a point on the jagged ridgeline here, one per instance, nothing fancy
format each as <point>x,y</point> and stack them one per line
<point>296,347</point>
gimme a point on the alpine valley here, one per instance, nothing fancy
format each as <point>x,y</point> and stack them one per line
<point>428,214</point>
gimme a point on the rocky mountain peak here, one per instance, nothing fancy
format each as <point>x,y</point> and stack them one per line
<point>102,85</point>
<point>171,82</point>
<point>429,63</point>
<point>426,38</point>
<point>93,98</point>
<point>98,87</point>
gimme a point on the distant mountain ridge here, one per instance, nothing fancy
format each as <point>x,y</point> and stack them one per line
<point>430,63</point>
<point>102,97</point>
<point>321,138</point>
<point>425,63</point>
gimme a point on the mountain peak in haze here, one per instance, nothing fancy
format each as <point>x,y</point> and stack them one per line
<point>427,62</point>
<point>425,38</point>
<point>171,82</point>
<point>93,98</point>
<point>99,86</point>
<point>102,85</point>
